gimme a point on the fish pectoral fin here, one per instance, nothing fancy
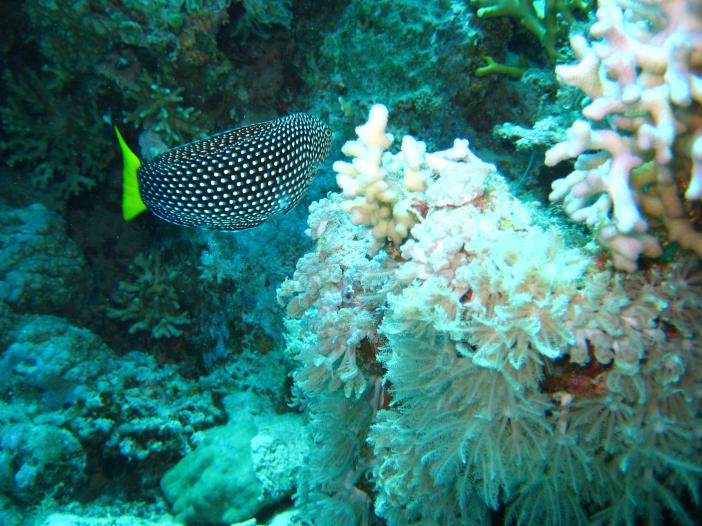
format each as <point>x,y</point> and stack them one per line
<point>132,205</point>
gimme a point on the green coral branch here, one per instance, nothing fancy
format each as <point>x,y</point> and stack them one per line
<point>541,18</point>
<point>498,68</point>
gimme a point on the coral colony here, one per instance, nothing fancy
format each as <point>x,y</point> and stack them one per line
<point>641,78</point>
<point>486,308</point>
<point>477,361</point>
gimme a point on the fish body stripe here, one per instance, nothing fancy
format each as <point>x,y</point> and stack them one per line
<point>238,178</point>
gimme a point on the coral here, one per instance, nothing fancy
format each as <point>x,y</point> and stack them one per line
<point>42,270</point>
<point>638,148</point>
<point>502,369</point>
<point>384,194</point>
<point>40,460</point>
<point>230,273</point>
<point>544,133</point>
<point>377,200</point>
<point>439,38</point>
<point>116,407</point>
<point>493,67</point>
<point>345,289</point>
<point>544,20</point>
<point>239,468</point>
<point>333,485</point>
<point>278,451</point>
<point>54,357</point>
<point>54,153</point>
<point>158,109</point>
<point>216,483</point>
<point>150,301</point>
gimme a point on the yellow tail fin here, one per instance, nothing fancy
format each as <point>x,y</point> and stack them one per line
<point>132,205</point>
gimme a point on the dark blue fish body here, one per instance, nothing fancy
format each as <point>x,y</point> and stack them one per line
<point>232,180</point>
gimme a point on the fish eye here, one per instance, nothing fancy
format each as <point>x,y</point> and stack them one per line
<point>328,132</point>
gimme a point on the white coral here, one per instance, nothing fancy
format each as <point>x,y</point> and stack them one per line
<point>641,77</point>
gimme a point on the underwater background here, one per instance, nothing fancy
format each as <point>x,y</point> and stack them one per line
<point>486,308</point>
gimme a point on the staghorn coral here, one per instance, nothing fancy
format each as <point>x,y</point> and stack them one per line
<point>639,146</point>
<point>150,301</point>
<point>508,370</point>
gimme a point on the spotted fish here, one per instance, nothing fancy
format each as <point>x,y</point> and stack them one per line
<point>232,180</point>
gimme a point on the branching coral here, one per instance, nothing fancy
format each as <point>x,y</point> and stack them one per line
<point>542,19</point>
<point>150,301</point>
<point>640,148</point>
<point>507,370</point>
<point>43,123</point>
<point>377,198</point>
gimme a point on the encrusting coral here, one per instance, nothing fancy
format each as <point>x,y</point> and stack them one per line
<point>477,363</point>
<point>67,390</point>
<point>639,146</point>
<point>42,270</point>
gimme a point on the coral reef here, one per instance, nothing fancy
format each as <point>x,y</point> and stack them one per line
<point>639,146</point>
<point>150,300</point>
<point>54,154</point>
<point>42,270</point>
<point>56,374</point>
<point>480,364</point>
<point>239,468</point>
<point>544,20</point>
<point>456,355</point>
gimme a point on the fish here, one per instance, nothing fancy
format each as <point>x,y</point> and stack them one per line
<point>232,180</point>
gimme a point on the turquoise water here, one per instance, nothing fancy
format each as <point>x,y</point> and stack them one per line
<point>442,265</point>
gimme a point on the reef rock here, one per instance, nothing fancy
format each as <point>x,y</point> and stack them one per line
<point>42,270</point>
